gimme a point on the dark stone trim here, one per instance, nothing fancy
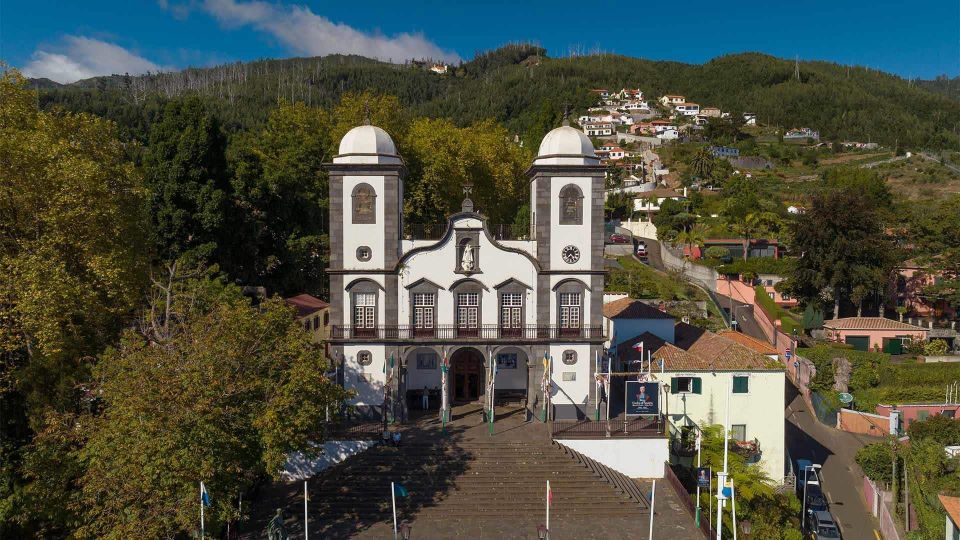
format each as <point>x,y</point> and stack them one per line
<point>375,271</point>
<point>465,281</point>
<point>596,301</point>
<point>597,224</point>
<point>568,272</point>
<point>563,357</point>
<point>543,299</point>
<point>425,283</point>
<point>542,205</point>
<point>364,169</point>
<point>336,223</point>
<point>392,215</point>
<point>569,411</point>
<point>571,285</point>
<point>392,311</point>
<point>463,237</point>
<point>566,170</point>
<point>512,283</point>
<point>336,299</point>
<point>360,281</point>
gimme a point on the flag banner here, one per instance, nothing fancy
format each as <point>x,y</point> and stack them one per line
<point>703,477</point>
<point>642,398</point>
<point>400,491</point>
<point>204,496</point>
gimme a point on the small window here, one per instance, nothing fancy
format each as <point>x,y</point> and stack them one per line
<point>685,385</point>
<point>426,360</point>
<point>569,357</point>
<point>741,384</point>
<point>316,322</point>
<point>364,358</point>
<point>571,205</point>
<point>738,432</point>
<point>364,253</point>
<point>326,319</point>
<point>923,415</point>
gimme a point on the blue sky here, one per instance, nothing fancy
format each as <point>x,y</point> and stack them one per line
<point>69,40</point>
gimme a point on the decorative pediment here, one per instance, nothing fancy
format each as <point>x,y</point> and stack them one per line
<point>424,283</point>
<point>512,282</point>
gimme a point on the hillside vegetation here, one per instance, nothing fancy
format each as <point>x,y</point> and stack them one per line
<point>520,87</point>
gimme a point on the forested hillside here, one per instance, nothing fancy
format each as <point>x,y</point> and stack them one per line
<point>520,87</point>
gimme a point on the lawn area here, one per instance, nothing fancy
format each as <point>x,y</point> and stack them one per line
<point>874,379</point>
<point>642,282</point>
<point>788,322</point>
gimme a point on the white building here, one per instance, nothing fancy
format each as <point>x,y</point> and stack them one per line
<point>687,109</point>
<point>700,371</point>
<point>750,119</point>
<point>466,297</point>
<point>669,134</point>
<point>598,129</point>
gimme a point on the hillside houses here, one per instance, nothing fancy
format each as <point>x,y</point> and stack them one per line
<point>671,101</point>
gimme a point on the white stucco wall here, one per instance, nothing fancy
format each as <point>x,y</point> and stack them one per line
<point>356,235</point>
<point>570,235</point>
<point>636,458</point>
<point>760,409</point>
<point>577,391</point>
<point>495,266</point>
<point>369,391</point>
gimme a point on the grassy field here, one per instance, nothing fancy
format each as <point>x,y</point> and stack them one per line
<point>788,323</point>
<point>919,178</point>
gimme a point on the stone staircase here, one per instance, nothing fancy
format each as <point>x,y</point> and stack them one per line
<point>463,479</point>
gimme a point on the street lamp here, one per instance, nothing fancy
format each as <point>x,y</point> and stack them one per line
<point>803,514</point>
<point>405,530</point>
<point>542,532</point>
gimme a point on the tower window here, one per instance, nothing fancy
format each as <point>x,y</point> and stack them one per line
<point>571,205</point>
<point>364,204</point>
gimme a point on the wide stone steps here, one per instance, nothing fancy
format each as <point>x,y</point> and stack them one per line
<point>468,479</point>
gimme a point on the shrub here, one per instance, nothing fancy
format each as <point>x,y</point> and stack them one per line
<point>876,460</point>
<point>936,347</point>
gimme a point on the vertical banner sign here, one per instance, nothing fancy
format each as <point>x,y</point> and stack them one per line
<point>703,477</point>
<point>642,398</point>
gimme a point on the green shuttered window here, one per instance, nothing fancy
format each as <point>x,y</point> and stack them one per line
<point>741,384</point>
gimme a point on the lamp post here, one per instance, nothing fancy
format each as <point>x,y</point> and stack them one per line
<point>803,514</point>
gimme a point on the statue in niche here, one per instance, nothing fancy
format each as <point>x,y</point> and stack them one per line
<point>467,262</point>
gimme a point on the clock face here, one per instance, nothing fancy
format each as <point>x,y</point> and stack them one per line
<point>570,254</point>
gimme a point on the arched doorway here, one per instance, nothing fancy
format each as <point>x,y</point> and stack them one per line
<point>467,376</point>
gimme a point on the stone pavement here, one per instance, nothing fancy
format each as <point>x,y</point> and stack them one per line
<point>671,520</point>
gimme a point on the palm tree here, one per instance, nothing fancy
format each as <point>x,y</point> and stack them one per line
<point>693,236</point>
<point>759,223</point>
<point>701,164</point>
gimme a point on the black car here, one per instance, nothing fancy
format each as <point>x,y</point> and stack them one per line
<point>821,526</point>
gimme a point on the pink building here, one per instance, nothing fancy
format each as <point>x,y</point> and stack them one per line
<point>910,413</point>
<point>906,289</point>
<point>873,333</point>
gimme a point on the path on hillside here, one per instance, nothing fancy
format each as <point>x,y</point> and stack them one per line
<point>807,438</point>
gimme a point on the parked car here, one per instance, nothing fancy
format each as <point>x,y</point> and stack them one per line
<point>821,526</point>
<point>617,238</point>
<point>641,249</point>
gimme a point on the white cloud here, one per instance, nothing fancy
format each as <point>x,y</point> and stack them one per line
<point>81,57</point>
<point>304,32</point>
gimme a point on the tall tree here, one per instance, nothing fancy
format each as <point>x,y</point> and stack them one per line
<point>843,245</point>
<point>186,173</point>
<point>935,234</point>
<point>206,387</point>
<point>280,193</point>
<point>72,256</point>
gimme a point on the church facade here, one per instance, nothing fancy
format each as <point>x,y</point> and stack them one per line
<point>518,318</point>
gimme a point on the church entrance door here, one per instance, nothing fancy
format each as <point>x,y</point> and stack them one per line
<point>467,374</point>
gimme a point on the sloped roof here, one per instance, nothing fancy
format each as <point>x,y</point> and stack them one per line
<point>710,351</point>
<point>952,506</point>
<point>870,323</point>
<point>306,304</point>
<point>761,347</point>
<point>628,308</point>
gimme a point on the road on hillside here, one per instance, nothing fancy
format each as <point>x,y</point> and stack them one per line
<point>743,312</point>
<point>807,438</point>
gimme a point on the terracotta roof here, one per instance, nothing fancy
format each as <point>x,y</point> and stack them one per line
<point>628,308</point>
<point>761,347</point>
<point>869,323</point>
<point>952,506</point>
<point>712,352</point>
<point>306,304</point>
<point>663,192</point>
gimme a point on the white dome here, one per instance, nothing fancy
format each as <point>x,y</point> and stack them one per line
<point>566,145</point>
<point>367,144</point>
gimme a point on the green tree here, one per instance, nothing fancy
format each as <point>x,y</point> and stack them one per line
<point>702,163</point>
<point>72,255</point>
<point>843,245</point>
<point>934,230</point>
<point>186,173</point>
<point>280,192</point>
<point>206,387</point>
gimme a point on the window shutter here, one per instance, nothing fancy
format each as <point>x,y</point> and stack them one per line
<point>741,385</point>
<point>674,385</point>
<point>697,385</point>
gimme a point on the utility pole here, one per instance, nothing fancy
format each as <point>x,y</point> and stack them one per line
<point>796,67</point>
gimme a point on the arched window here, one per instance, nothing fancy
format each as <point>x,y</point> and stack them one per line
<point>364,204</point>
<point>571,205</point>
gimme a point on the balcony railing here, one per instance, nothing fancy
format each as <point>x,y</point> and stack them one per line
<point>451,332</point>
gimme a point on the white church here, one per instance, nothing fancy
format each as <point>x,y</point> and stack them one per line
<point>498,312</point>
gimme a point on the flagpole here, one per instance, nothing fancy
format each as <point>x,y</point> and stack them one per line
<point>202,532</point>
<point>699,443</point>
<point>733,502</point>
<point>393,502</point>
<point>653,501</point>
<point>548,509</point>
<point>306,535</point>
